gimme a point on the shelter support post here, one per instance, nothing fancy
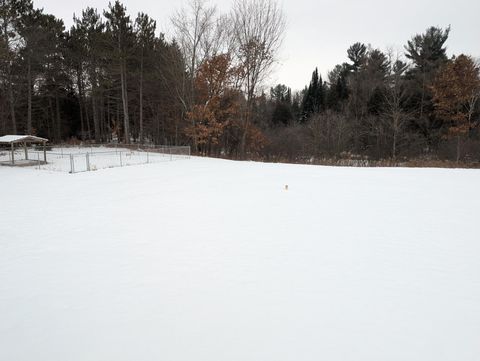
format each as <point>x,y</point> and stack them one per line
<point>13,154</point>
<point>45,152</point>
<point>26,151</point>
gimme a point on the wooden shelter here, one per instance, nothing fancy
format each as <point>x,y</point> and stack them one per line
<point>23,140</point>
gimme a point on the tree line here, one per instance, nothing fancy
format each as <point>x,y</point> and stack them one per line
<point>106,78</point>
<point>386,105</point>
<point>111,77</point>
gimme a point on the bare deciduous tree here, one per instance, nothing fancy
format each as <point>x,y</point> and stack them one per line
<point>193,29</point>
<point>330,133</point>
<point>200,34</point>
<point>258,29</point>
<point>394,115</point>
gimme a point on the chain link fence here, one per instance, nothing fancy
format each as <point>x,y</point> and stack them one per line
<point>76,159</point>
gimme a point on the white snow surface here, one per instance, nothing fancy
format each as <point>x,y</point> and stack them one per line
<point>19,138</point>
<point>213,260</point>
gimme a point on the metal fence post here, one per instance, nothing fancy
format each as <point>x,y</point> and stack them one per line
<point>87,156</point>
<point>72,164</point>
<point>121,164</point>
<point>38,159</point>
<point>148,160</point>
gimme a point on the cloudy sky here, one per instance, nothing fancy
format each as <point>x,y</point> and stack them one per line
<point>319,31</point>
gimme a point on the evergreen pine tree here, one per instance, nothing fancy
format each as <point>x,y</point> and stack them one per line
<point>314,97</point>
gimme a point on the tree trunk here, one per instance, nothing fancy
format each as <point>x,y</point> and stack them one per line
<point>117,121</point>
<point>423,95</point>
<point>96,123</point>
<point>126,121</point>
<point>59,122</point>
<point>2,118</point>
<point>80,102</point>
<point>102,117</point>
<point>51,128</point>
<point>394,150</point>
<point>108,122</point>
<point>9,80</point>
<point>12,106</point>
<point>87,121</point>
<point>395,134</point>
<point>141,99</point>
<point>458,149</point>
<point>29,111</point>
<point>243,140</point>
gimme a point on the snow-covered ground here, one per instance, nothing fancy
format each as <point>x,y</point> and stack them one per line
<point>212,260</point>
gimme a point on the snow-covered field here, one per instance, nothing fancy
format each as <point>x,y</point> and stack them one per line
<point>212,260</point>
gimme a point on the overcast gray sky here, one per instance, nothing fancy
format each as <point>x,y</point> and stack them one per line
<point>320,31</point>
